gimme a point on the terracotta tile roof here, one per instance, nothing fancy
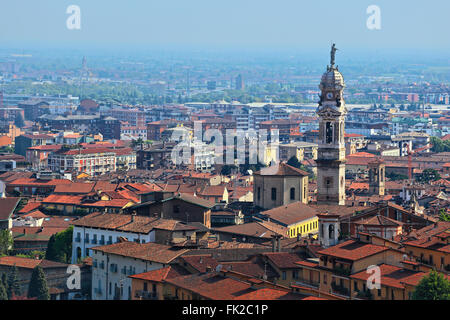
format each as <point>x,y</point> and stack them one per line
<point>284,260</point>
<point>62,199</point>
<point>292,213</point>
<point>212,285</point>
<point>199,262</point>
<point>260,229</point>
<point>379,220</point>
<point>7,207</point>
<point>35,214</point>
<point>116,221</point>
<point>162,274</point>
<point>113,203</point>
<point>48,147</point>
<point>146,251</point>
<point>306,263</point>
<point>359,186</point>
<point>75,188</point>
<point>214,191</point>
<point>29,207</point>
<point>254,268</point>
<point>338,210</point>
<point>28,263</point>
<point>105,186</point>
<point>273,294</point>
<point>281,169</point>
<point>37,182</point>
<point>392,276</point>
<point>353,250</point>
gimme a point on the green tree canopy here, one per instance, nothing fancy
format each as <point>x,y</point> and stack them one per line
<point>38,285</point>
<point>3,293</point>
<point>6,241</point>
<point>60,247</point>
<point>433,286</point>
<point>428,175</point>
<point>13,287</point>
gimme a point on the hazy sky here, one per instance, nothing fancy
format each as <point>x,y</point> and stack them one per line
<point>228,23</point>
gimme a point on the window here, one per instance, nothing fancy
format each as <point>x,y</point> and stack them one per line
<point>325,279</point>
<point>259,193</point>
<point>379,292</point>
<point>295,274</point>
<point>292,193</point>
<point>284,275</point>
<point>329,132</point>
<point>355,286</point>
<point>274,194</point>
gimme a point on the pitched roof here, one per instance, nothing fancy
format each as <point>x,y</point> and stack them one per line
<point>392,276</point>
<point>159,275</point>
<point>292,213</point>
<point>274,294</point>
<point>200,262</point>
<point>75,188</point>
<point>353,250</point>
<point>212,285</point>
<point>380,220</point>
<point>259,229</point>
<point>28,263</point>
<point>7,207</point>
<point>145,251</point>
<point>281,169</point>
<point>284,260</point>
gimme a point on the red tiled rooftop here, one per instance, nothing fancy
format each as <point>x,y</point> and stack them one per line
<point>353,250</point>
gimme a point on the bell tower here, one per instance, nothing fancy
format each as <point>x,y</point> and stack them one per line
<point>331,152</point>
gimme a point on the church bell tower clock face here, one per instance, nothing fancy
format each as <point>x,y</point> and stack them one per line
<point>330,95</point>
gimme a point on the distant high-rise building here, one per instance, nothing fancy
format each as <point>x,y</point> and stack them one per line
<point>239,83</point>
<point>211,85</point>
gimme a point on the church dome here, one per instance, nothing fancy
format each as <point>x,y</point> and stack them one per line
<point>332,78</point>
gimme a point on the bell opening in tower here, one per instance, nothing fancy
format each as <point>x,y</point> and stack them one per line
<point>329,132</point>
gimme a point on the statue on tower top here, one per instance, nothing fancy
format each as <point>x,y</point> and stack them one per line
<point>333,54</point>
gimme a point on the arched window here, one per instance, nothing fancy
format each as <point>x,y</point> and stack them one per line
<point>292,193</point>
<point>331,231</point>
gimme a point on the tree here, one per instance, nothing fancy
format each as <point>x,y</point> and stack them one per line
<point>428,175</point>
<point>3,293</point>
<point>443,215</point>
<point>6,241</point>
<point>13,287</point>
<point>59,247</point>
<point>38,285</point>
<point>293,162</point>
<point>51,253</point>
<point>18,121</point>
<point>433,286</point>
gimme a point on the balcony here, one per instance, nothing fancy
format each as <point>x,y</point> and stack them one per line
<point>307,283</point>
<point>94,241</point>
<point>102,242</point>
<point>86,240</point>
<point>344,272</point>
<point>146,295</point>
<point>77,239</point>
<point>339,290</point>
